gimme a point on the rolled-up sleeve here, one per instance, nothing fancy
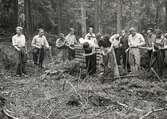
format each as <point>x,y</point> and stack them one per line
<point>142,40</point>
<point>14,41</point>
<point>33,42</point>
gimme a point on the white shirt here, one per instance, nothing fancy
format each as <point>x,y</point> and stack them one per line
<point>137,40</point>
<point>114,40</point>
<point>38,42</point>
<point>92,39</point>
<point>60,42</point>
<point>19,41</point>
<point>81,40</point>
<point>71,39</point>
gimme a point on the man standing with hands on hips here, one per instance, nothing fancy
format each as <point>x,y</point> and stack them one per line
<point>19,43</point>
<point>39,42</point>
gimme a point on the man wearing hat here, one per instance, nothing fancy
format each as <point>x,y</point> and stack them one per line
<point>135,41</point>
<point>70,42</point>
<point>19,43</point>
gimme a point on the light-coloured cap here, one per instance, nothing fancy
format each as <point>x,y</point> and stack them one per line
<point>132,29</point>
<point>19,28</point>
<point>72,29</point>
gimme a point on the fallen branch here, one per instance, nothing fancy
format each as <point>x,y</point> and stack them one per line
<point>152,111</point>
<point>49,114</point>
<point>6,112</point>
<point>127,76</point>
<point>156,74</point>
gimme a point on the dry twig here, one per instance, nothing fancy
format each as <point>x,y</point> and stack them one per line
<point>152,111</point>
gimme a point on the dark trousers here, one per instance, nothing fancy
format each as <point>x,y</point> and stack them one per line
<point>118,55</point>
<point>71,54</point>
<point>125,57</point>
<point>109,65</point>
<point>91,63</point>
<point>157,61</point>
<point>38,56</point>
<point>21,63</point>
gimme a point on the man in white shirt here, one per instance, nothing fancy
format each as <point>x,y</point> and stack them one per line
<point>19,44</point>
<point>91,37</point>
<point>115,41</point>
<point>135,41</point>
<point>70,42</point>
<point>39,42</point>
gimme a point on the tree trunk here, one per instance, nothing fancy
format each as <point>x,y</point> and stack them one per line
<point>119,16</point>
<point>166,15</point>
<point>98,16</point>
<point>28,23</point>
<point>157,14</point>
<point>83,17</point>
<point>59,10</point>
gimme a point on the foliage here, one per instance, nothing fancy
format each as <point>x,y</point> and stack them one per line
<point>144,13</point>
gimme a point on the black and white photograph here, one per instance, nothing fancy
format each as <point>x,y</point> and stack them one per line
<point>83,59</point>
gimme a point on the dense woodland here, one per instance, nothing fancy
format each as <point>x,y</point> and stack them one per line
<point>105,16</point>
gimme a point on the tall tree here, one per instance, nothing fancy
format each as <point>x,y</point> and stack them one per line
<point>83,17</point>
<point>98,16</point>
<point>28,22</point>
<point>59,10</point>
<point>166,15</point>
<point>119,16</point>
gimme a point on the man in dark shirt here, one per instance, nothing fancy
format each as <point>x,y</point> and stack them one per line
<point>150,37</point>
<point>124,47</point>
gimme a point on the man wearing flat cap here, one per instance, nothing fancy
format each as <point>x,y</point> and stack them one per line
<point>135,41</point>
<point>19,43</point>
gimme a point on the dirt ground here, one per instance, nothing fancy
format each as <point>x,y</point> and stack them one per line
<point>54,94</point>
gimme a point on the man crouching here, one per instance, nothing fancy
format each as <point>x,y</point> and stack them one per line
<point>19,44</point>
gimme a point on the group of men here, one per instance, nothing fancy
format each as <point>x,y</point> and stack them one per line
<point>39,43</point>
<point>126,49</point>
<point>118,49</point>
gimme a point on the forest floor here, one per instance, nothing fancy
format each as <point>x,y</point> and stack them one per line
<point>55,94</point>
